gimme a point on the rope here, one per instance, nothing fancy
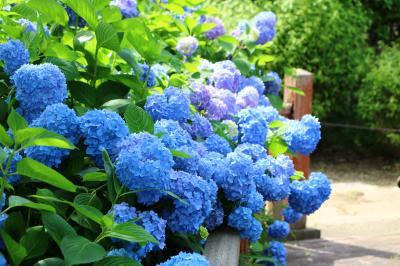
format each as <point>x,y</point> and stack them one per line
<point>382,129</point>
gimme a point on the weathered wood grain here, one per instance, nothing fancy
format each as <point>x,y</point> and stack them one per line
<point>223,248</point>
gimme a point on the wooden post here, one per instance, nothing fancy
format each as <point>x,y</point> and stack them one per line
<point>223,248</point>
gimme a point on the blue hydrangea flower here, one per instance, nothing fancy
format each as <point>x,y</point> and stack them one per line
<point>278,229</point>
<point>199,127</point>
<point>253,201</point>
<point>236,179</point>
<point>210,164</point>
<point>216,217</point>
<point>173,104</point>
<point>60,119</point>
<point>254,82</point>
<point>248,227</point>
<point>265,23</point>
<point>290,215</point>
<point>172,134</point>
<point>200,197</point>
<point>189,165</point>
<point>144,163</point>
<point>281,166</point>
<point>73,19</point>
<point>307,196</point>
<point>32,26</point>
<point>187,46</point>
<point>200,95</point>
<point>13,179</point>
<point>247,97</point>
<point>102,129</point>
<point>264,101</point>
<point>146,74</point>
<point>273,83</point>
<point>217,31</point>
<point>3,219</point>
<point>38,86</point>
<point>278,252</point>
<point>322,183</point>
<point>217,144</point>
<point>303,136</point>
<point>273,189</point>
<point>128,7</point>
<point>159,71</point>
<point>122,252</point>
<point>228,98</point>
<point>123,213</point>
<point>14,54</point>
<point>257,152</point>
<point>3,201</point>
<point>186,259</point>
<point>252,126</point>
<point>226,76</point>
<point>3,261</point>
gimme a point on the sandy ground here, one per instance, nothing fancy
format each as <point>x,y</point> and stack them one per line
<point>360,223</point>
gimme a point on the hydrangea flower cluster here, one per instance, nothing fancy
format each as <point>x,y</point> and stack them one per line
<point>215,143</point>
<point>38,86</point>
<point>186,259</point>
<point>278,230</point>
<point>102,129</point>
<point>187,46</point>
<point>273,83</point>
<point>128,7</point>
<point>60,119</point>
<point>307,196</point>
<point>278,252</point>
<point>242,220</point>
<point>303,136</point>
<point>172,104</point>
<point>216,217</point>
<point>14,54</point>
<point>32,26</point>
<point>144,163</point>
<point>147,75</point>
<point>199,127</point>
<point>254,82</point>
<point>217,31</point>
<point>265,23</point>
<point>200,196</point>
<point>172,134</point>
<point>291,216</point>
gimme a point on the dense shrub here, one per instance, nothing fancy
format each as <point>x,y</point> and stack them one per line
<point>327,38</point>
<point>379,96</point>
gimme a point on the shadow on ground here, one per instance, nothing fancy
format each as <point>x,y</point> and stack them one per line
<point>324,252</point>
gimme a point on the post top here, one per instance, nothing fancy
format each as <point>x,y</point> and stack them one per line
<point>302,72</point>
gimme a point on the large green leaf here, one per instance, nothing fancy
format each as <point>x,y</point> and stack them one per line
<point>50,10</point>
<point>36,170</point>
<point>130,232</point>
<point>90,212</point>
<point>94,177</point>
<point>111,90</point>
<point>85,9</point>
<point>17,201</point>
<point>79,250</point>
<point>17,251</point>
<point>117,261</point>
<point>45,138</point>
<point>107,37</point>
<point>69,68</point>
<point>138,120</point>
<point>4,137</point>
<point>35,241</point>
<point>50,262</point>
<point>83,93</point>
<point>56,226</point>
<point>15,121</point>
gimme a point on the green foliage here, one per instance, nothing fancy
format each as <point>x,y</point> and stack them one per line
<point>379,96</point>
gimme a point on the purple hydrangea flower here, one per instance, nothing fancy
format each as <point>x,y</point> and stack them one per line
<point>265,23</point>
<point>128,7</point>
<point>247,97</point>
<point>255,82</point>
<point>200,96</point>
<point>217,31</point>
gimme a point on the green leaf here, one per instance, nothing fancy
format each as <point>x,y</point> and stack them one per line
<point>69,68</point>
<point>138,120</point>
<point>110,171</point>
<point>117,261</point>
<point>25,10</point>
<point>3,156</point>
<point>4,137</point>
<point>111,90</point>
<point>27,133</point>
<point>243,65</point>
<point>107,37</point>
<point>179,154</point>
<point>203,27</point>
<point>262,60</point>
<point>177,80</point>
<point>191,22</point>
<point>50,262</point>
<point>35,241</point>
<point>95,177</point>
<point>16,251</point>
<point>173,195</point>
<point>276,124</point>
<point>296,90</point>
<point>90,212</point>
<point>111,14</point>
<point>47,139</point>
<point>83,93</point>
<point>36,170</point>
<point>79,250</point>
<point>15,121</point>
<point>51,10</point>
<point>130,232</point>
<point>17,201</point>
<point>85,9</point>
<point>115,105</point>
<point>175,8</point>
<point>276,102</point>
<point>56,226</point>
<point>229,39</point>
<point>277,146</point>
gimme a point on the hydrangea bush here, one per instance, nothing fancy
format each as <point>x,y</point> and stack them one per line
<point>131,130</point>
